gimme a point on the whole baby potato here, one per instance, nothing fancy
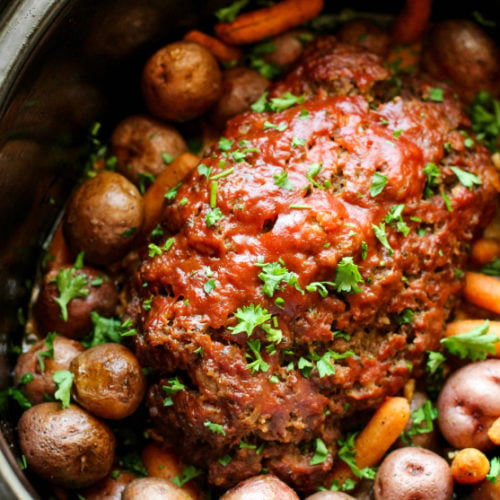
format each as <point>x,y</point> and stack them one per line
<point>144,146</point>
<point>462,52</point>
<point>181,81</point>
<point>264,486</point>
<point>109,488</point>
<point>67,447</point>
<point>241,87</point>
<point>469,403</point>
<point>154,488</point>
<point>103,217</point>
<point>410,473</point>
<point>108,381</point>
<point>42,385</point>
<point>98,294</point>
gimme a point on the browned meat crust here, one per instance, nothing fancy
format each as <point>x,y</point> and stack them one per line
<point>280,216</point>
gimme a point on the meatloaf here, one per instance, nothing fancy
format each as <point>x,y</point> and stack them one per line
<point>304,268</point>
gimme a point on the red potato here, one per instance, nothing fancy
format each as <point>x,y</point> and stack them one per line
<point>409,473</point>
<point>461,51</point>
<point>42,385</point>
<point>109,488</point>
<point>154,488</point>
<point>97,293</point>
<point>469,403</point>
<point>181,81</point>
<point>288,47</point>
<point>265,486</point>
<point>108,381</point>
<point>103,218</point>
<point>144,146</point>
<point>67,447</point>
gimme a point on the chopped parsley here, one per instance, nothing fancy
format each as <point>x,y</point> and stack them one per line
<point>254,316</point>
<point>484,112</point>
<point>379,182</point>
<point>64,382</point>
<point>189,472</point>
<point>468,179</point>
<point>347,276</point>
<point>494,472</point>
<point>274,275</point>
<point>297,142</point>
<point>492,268</point>
<point>381,236</point>
<point>433,174</point>
<point>320,452</point>
<point>475,344</point>
<point>47,353</point>
<point>405,317</point>
<point>395,216</point>
<point>347,453</point>
<point>204,170</point>
<point>215,428</point>
<point>213,216</point>
<point>422,421</point>
<point>172,193</point>
<point>281,180</point>
<point>436,94</point>
<point>107,330</point>
<point>258,364</point>
<point>70,285</point>
<point>286,101</point>
<point>209,286</point>
<point>173,385</point>
<point>280,127</point>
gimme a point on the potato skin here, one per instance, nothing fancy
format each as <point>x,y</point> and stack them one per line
<point>409,473</point>
<point>241,87</point>
<point>42,385</point>
<point>67,447</point>
<point>181,81</point>
<point>460,51</point>
<point>103,218</point>
<point>288,47</point>
<point>154,488</point>
<point>109,488</point>
<point>264,486</point>
<point>102,298</point>
<point>469,403</point>
<point>108,381</point>
<point>139,141</point>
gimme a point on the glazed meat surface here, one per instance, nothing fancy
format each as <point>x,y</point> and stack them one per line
<point>307,265</point>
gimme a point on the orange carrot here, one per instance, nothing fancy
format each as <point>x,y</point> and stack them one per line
<point>154,197</point>
<point>470,466</point>
<point>411,23</point>
<point>222,52</point>
<point>485,250</point>
<point>494,432</point>
<point>254,26</point>
<point>58,250</point>
<point>383,429</point>
<point>482,290</point>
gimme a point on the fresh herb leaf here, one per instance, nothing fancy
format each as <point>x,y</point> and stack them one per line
<point>286,101</point>
<point>381,236</point>
<point>70,285</point>
<point>172,193</point>
<point>281,180</point>
<point>209,286</point>
<point>173,385</point>
<point>280,127</point>
<point>213,216</point>
<point>320,287</point>
<point>258,364</point>
<point>494,472</point>
<point>484,112</point>
<point>204,170</point>
<point>347,453</point>
<point>475,344</point>
<point>228,14</point>
<point>492,268</point>
<point>249,318</point>
<point>320,452</point>
<point>347,276</point>
<point>468,179</point>
<point>433,174</point>
<point>274,275</point>
<point>436,94</point>
<point>189,472</point>
<point>405,317</point>
<point>64,382</point>
<point>215,428</point>
<point>47,353</point>
<point>261,104</point>
<point>379,182</point>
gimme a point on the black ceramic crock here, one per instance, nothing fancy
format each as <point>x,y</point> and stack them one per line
<point>65,64</point>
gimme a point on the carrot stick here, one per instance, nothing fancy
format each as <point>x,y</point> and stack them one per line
<point>254,26</point>
<point>470,466</point>
<point>494,432</point>
<point>485,250</point>
<point>482,290</point>
<point>384,428</point>
<point>411,23</point>
<point>58,250</point>
<point>154,197</point>
<point>222,52</point>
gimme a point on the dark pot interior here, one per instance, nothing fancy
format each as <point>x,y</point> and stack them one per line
<point>65,64</point>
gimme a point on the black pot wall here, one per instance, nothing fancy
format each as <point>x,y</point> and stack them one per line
<point>64,65</point>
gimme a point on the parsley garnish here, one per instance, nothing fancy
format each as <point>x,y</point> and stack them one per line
<point>320,452</point>
<point>215,428</point>
<point>189,472</point>
<point>347,276</point>
<point>64,381</point>
<point>494,472</point>
<point>281,180</point>
<point>379,182</point>
<point>433,173</point>
<point>209,286</point>
<point>395,216</point>
<point>251,317</point>
<point>280,127</point>
<point>422,421</point>
<point>71,285</point>
<point>436,94</point>
<point>492,268</point>
<point>228,14</point>
<point>204,170</point>
<point>274,274</point>
<point>381,236</point>
<point>475,344</point>
<point>297,141</point>
<point>213,216</point>
<point>172,193</point>
<point>260,105</point>
<point>49,352</point>
<point>484,112</point>
<point>347,453</point>
<point>405,317</point>
<point>468,179</point>
<point>173,385</point>
<point>258,364</point>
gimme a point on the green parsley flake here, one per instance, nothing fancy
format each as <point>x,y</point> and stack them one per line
<point>381,236</point>
<point>274,274</point>
<point>279,127</point>
<point>213,216</point>
<point>468,179</point>
<point>204,170</point>
<point>436,94</point>
<point>228,14</point>
<point>64,381</point>
<point>209,286</point>
<point>258,364</point>
<point>172,193</point>
<point>286,101</point>
<point>173,385</point>
<point>215,428</point>
<point>347,276</point>
<point>378,184</point>
<point>433,174</point>
<point>189,472</point>
<point>281,180</point>
<point>320,452</point>
<point>474,345</point>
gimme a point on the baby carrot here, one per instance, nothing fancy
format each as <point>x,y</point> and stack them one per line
<point>485,250</point>
<point>470,466</point>
<point>482,290</point>
<point>222,52</point>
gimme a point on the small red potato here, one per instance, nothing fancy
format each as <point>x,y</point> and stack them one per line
<point>154,488</point>
<point>288,47</point>
<point>67,447</point>
<point>109,488</point>
<point>145,146</point>
<point>469,403</point>
<point>460,51</point>
<point>265,486</point>
<point>409,473</point>
<point>181,81</point>
<point>103,217</point>
<point>42,385</point>
<point>108,381</point>
<point>241,87</point>
<point>365,33</point>
<point>329,495</point>
<point>97,293</point>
